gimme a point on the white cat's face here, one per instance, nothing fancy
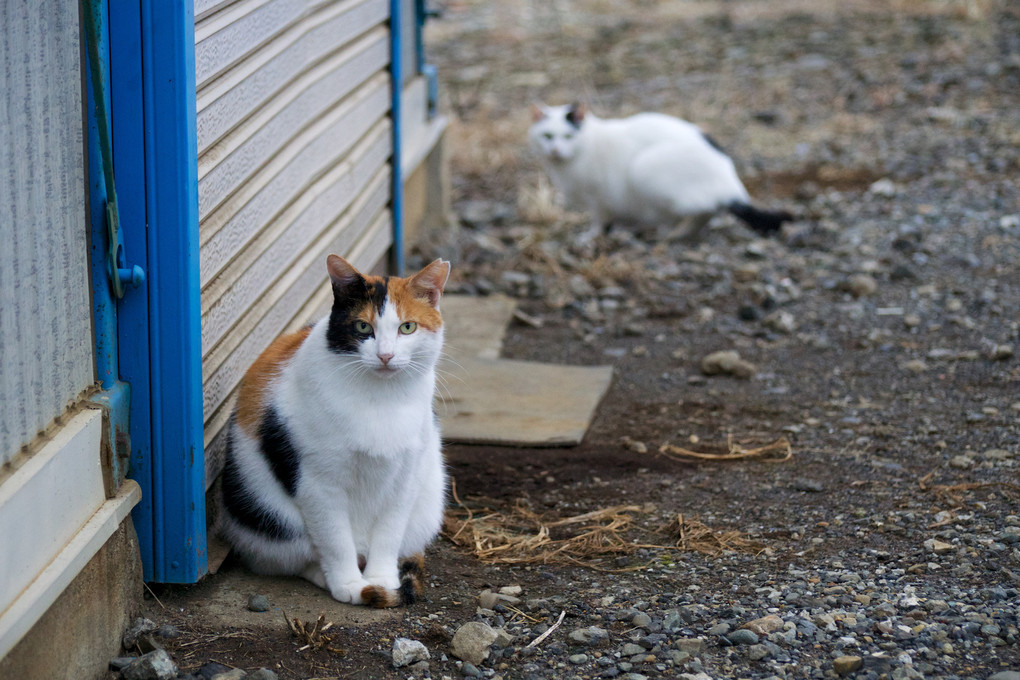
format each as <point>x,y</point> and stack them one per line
<point>556,133</point>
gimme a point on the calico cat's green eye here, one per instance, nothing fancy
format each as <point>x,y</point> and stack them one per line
<point>363,327</point>
<point>408,327</point>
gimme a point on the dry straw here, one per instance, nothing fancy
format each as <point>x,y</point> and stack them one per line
<point>952,494</point>
<point>313,635</point>
<point>693,536</point>
<point>776,452</point>
<point>520,535</point>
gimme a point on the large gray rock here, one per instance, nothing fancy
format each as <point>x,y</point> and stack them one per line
<point>727,362</point>
<point>764,625</point>
<point>591,635</point>
<point>471,642</point>
<point>407,652</point>
<point>262,674</point>
<point>844,665</point>
<point>155,665</point>
<point>141,626</point>
<point>232,674</point>
<point>743,636</point>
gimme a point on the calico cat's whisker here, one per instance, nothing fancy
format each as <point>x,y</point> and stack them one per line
<point>442,389</point>
<point>453,375</point>
<point>448,359</point>
<point>448,347</point>
<point>357,369</point>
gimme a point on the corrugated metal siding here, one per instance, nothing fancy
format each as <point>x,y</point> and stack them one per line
<point>46,347</point>
<point>293,142</point>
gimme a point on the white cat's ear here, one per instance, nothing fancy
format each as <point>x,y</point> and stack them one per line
<point>576,113</point>
<point>430,281</point>
<point>537,113</point>
<point>341,272</point>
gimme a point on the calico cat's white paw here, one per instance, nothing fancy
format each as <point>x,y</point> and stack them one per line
<point>388,581</point>
<point>349,592</point>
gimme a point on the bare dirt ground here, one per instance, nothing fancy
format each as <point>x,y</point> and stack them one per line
<point>882,329</point>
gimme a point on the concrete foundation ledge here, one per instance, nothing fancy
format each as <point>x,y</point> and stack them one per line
<point>68,622</point>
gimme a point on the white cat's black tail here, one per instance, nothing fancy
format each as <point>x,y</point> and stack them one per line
<point>764,222</point>
<point>412,580</point>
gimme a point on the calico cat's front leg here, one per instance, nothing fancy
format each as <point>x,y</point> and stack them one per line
<point>381,566</point>
<point>331,535</point>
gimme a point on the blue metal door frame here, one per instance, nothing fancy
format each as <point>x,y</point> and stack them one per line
<point>149,60</point>
<point>152,92</point>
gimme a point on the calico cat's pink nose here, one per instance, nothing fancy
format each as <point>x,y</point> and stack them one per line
<point>385,358</point>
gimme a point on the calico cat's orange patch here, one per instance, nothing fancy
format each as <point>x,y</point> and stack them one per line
<point>367,314</point>
<point>413,305</point>
<point>256,380</point>
<point>412,582</point>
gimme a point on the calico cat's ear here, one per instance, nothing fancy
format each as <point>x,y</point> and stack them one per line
<point>342,273</point>
<point>537,113</point>
<point>576,113</point>
<point>430,281</point>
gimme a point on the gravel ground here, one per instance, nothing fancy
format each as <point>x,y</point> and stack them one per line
<point>878,335</point>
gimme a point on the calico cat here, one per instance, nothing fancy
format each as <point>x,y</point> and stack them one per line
<point>649,169</point>
<point>333,470</point>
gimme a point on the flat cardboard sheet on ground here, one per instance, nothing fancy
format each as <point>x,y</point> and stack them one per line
<point>487,400</point>
<point>520,403</point>
<point>475,326</point>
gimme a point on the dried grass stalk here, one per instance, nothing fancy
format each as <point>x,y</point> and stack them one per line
<point>776,452</point>
<point>693,536</point>
<point>952,494</point>
<point>313,635</point>
<point>536,203</point>
<point>522,536</point>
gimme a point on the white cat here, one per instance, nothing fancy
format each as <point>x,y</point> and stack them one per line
<point>334,470</point>
<point>649,169</point>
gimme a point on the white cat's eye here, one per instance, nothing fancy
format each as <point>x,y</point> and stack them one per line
<point>363,327</point>
<point>408,327</point>
<point>547,135</point>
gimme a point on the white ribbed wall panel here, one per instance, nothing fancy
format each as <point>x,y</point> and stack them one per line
<point>230,97</point>
<point>46,346</point>
<point>320,204</point>
<point>294,140</point>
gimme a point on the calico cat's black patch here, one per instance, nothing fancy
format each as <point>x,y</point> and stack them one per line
<point>712,143</point>
<point>410,579</point>
<point>408,592</point>
<point>243,506</point>
<point>279,450</point>
<point>377,291</point>
<point>340,334</point>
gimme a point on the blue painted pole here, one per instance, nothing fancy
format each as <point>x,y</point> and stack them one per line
<point>115,396</point>
<point>175,336</point>
<point>397,80</point>
<point>129,140</point>
<point>155,146</point>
